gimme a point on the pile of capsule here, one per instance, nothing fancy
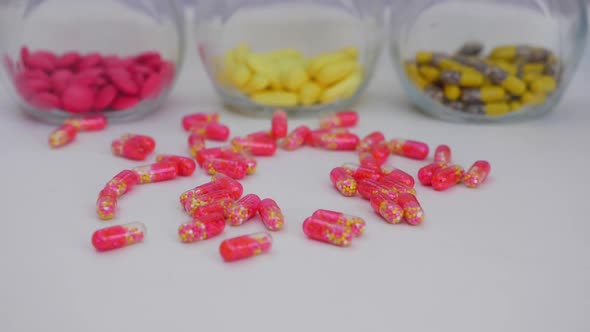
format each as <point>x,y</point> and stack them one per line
<point>83,83</point>
<point>507,80</point>
<point>286,77</point>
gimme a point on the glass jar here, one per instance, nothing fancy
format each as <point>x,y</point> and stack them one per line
<point>80,57</point>
<point>304,56</point>
<point>487,60</point>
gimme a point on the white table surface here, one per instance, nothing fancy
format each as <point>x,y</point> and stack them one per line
<point>511,256</point>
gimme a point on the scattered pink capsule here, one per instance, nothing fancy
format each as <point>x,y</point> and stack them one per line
<point>106,204</point>
<point>201,229</point>
<point>198,201</point>
<point>186,166</point>
<point>381,152</point>
<point>442,154</point>
<point>233,187</point>
<point>341,119</point>
<point>477,174</point>
<point>158,172</point>
<point>426,173</point>
<point>219,206</point>
<point>235,169</point>
<point>328,232</point>
<point>195,144</point>
<point>117,237</point>
<point>339,142</point>
<point>197,119</point>
<point>261,136</point>
<point>251,163</point>
<point>279,126</point>
<point>367,159</point>
<point>396,185</point>
<point>296,138</point>
<point>134,147</point>
<point>368,188</point>
<point>62,136</point>
<point>271,214</point>
<point>410,149</point>
<point>243,210</point>
<point>343,181</point>
<point>413,213</point>
<point>255,147</point>
<point>356,224</point>
<point>208,153</point>
<point>214,131</point>
<point>245,246</point>
<point>447,177</point>
<point>91,123</point>
<point>123,182</point>
<point>398,175</point>
<point>370,140</point>
<point>316,136</point>
<point>360,172</point>
<point>389,210</point>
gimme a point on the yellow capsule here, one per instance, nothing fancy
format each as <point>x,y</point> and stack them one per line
<point>448,64</point>
<point>294,78</point>
<point>276,98</point>
<point>414,75</point>
<point>543,85</point>
<point>285,53</point>
<point>430,73</point>
<point>504,53</point>
<point>497,109</point>
<point>351,51</point>
<point>464,79</point>
<point>486,94</point>
<point>335,72</point>
<point>514,86</point>
<point>261,65</point>
<point>424,58</point>
<point>506,66</point>
<point>319,62</point>
<point>515,106</point>
<point>241,75</point>
<point>452,92</point>
<point>257,83</point>
<point>530,77</point>
<point>309,94</point>
<point>289,63</point>
<point>532,99</point>
<point>533,68</point>
<point>241,53</point>
<point>345,89</point>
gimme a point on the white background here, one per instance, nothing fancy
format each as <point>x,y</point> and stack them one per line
<point>511,256</point>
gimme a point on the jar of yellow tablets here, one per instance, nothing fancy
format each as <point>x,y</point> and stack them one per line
<point>487,60</point>
<point>303,56</point>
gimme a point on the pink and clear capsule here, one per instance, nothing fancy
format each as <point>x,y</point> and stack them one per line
<point>360,172</point>
<point>296,138</point>
<point>123,182</point>
<point>389,210</point>
<point>251,163</point>
<point>209,153</point>
<point>145,142</point>
<point>343,181</point>
<point>368,188</point>
<point>235,169</point>
<point>223,182</point>
<point>410,149</point>
<point>196,143</point>
<point>381,152</point>
<point>62,136</point>
<point>398,175</point>
<point>219,206</point>
<point>339,142</point>
<point>316,136</point>
<point>116,237</point>
<point>279,126</point>
<point>243,210</point>
<point>196,119</point>
<point>245,246</point>
<point>356,224</point>
<point>396,185</point>
<point>201,229</point>
<point>157,172</point>
<point>328,232</point>
<point>413,213</point>
<point>370,140</point>
<point>213,131</point>
<point>366,159</point>
<point>342,119</point>
<point>447,177</point>
<point>255,147</point>
<point>234,187</point>
<point>271,214</point>
<point>134,147</point>
<point>106,204</point>
<point>477,174</point>
<point>192,204</point>
<point>90,123</point>
<point>443,154</point>
<point>426,173</point>
<point>186,166</point>
<point>261,135</point>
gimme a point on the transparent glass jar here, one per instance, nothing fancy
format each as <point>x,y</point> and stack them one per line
<point>304,56</point>
<point>487,60</point>
<point>80,57</point>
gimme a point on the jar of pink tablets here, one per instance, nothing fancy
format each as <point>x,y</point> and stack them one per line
<point>119,58</point>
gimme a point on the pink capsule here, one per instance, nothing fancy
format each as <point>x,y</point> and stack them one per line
<point>116,237</point>
<point>442,154</point>
<point>233,187</point>
<point>381,152</point>
<point>62,136</point>
<point>389,210</point>
<point>78,98</point>
<point>296,138</point>
<point>339,142</point>
<point>341,119</point>
<point>214,131</point>
<point>398,175</point>
<point>235,169</point>
<point>360,172</point>
<point>198,201</point>
<point>106,204</point>
<point>255,147</point>
<point>368,188</point>
<point>356,224</point>
<point>343,181</point>
<point>367,159</point>
<point>230,154</point>
<point>396,185</point>
<point>316,136</point>
<point>201,229</point>
<point>413,213</point>
<point>123,182</point>
<point>134,147</point>
<point>370,140</point>
<point>219,206</point>
<point>186,166</point>
<point>477,174</point>
<point>91,123</point>
<point>158,172</point>
<point>208,153</point>
<point>196,143</point>
<point>328,232</point>
<point>271,214</point>
<point>245,246</point>
<point>410,149</point>
<point>279,126</point>
<point>447,177</point>
<point>243,210</point>
<point>426,173</point>
<point>261,136</point>
<point>197,119</point>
